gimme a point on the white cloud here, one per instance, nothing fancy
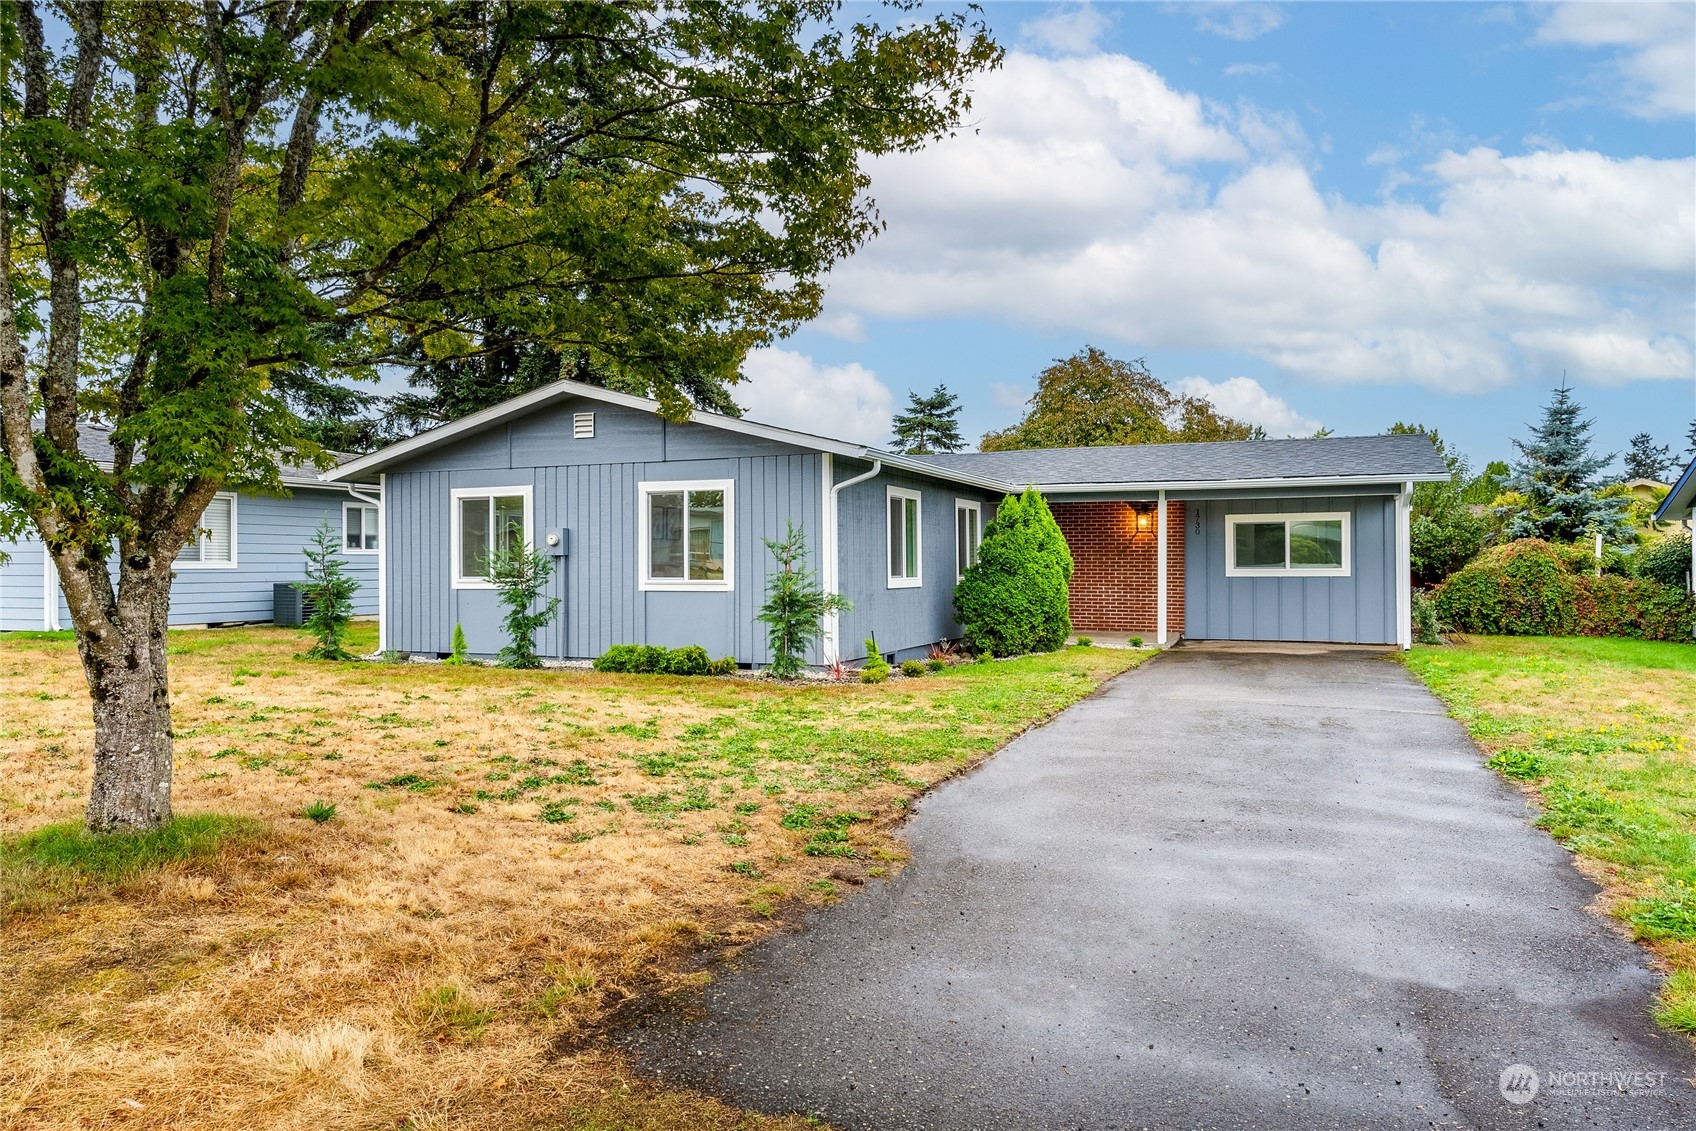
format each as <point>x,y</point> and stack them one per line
<point>789,389</point>
<point>1237,70</point>
<point>1237,21</point>
<point>1069,31</point>
<point>1244,398</point>
<point>1095,199</point>
<point>843,324</point>
<point>1654,72</point>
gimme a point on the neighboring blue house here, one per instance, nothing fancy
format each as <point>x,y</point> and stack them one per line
<point>657,530</point>
<point>247,544</point>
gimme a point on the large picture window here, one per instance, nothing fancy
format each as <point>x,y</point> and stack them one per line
<point>213,545</point>
<point>687,539</point>
<point>1287,545</point>
<point>968,535</point>
<point>487,520</point>
<point>905,548</point>
<point>359,528</point>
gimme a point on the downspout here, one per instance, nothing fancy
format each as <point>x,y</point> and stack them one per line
<point>49,591</point>
<point>382,555</point>
<point>828,555</point>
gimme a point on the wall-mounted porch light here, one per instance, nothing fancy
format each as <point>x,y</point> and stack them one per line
<point>1142,521</point>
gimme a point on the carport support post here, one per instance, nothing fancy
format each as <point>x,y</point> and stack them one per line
<point>1160,570</point>
<point>1404,566</point>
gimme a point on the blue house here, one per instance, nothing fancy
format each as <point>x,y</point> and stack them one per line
<point>248,543</point>
<point>656,529</point>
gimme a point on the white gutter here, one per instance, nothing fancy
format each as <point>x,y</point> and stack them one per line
<point>828,555</point>
<point>1235,484</point>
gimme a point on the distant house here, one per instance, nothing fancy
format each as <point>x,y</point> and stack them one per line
<point>1651,493</point>
<point>657,530</point>
<point>248,543</point>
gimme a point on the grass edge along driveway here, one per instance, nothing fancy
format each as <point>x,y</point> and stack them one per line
<point>514,858</point>
<point>1600,734</point>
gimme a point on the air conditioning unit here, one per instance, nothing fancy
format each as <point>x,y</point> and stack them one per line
<point>289,606</point>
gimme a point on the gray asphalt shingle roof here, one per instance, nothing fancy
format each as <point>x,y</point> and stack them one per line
<point>95,442</point>
<point>1388,458</point>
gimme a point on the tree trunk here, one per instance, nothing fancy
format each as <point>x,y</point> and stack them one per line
<point>130,688</point>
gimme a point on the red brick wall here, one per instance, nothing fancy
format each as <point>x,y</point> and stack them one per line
<point>1113,566</point>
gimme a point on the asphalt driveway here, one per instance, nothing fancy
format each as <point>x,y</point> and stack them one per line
<point>1231,890</point>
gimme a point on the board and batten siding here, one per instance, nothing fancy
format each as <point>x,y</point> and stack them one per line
<point>1358,609</point>
<point>587,489</point>
<point>904,621</point>
<point>270,534</point>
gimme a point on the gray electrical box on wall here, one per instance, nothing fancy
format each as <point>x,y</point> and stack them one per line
<point>558,543</point>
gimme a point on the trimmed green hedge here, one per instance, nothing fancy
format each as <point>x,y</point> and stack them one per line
<point>1525,588</point>
<point>651,659</point>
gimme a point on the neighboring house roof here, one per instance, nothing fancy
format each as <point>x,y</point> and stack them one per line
<point>95,442</point>
<point>1332,461</point>
<point>1681,500</point>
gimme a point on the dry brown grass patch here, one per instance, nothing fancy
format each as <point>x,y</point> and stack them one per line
<point>515,856</point>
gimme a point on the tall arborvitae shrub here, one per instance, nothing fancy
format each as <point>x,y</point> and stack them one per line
<point>1014,599</point>
<point>330,592</point>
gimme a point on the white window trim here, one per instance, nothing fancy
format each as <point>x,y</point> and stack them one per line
<point>644,540</point>
<point>459,493</point>
<point>376,513</point>
<point>231,564</point>
<point>1287,570</point>
<point>893,493</point>
<point>965,505</point>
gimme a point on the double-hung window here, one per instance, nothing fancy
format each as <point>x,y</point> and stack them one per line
<point>968,535</point>
<point>1287,545</point>
<point>359,528</point>
<point>213,545</point>
<point>487,521</point>
<point>905,547</point>
<point>687,537</point>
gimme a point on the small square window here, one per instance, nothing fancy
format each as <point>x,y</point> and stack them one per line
<point>687,537</point>
<point>359,528</point>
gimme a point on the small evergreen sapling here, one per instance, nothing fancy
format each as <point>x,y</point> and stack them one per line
<point>331,592</point>
<point>877,668</point>
<point>795,605</point>
<point>459,647</point>
<point>521,574</point>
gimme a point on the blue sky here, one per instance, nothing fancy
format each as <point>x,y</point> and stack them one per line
<point>1337,214</point>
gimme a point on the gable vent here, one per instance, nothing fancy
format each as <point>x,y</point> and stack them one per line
<point>582,426</point>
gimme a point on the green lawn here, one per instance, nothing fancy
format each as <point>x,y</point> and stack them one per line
<point>1601,733</point>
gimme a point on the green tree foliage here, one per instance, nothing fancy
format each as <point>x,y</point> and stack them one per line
<point>1090,400</point>
<point>930,424</point>
<point>1552,495</point>
<point>1667,561</point>
<point>795,605</point>
<point>1525,588</point>
<point>331,592</point>
<point>521,573</point>
<point>1014,600</point>
<point>1485,487</point>
<point>1645,459</point>
<point>1444,533</point>
<point>206,204</point>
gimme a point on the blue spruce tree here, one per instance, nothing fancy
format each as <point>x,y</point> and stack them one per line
<point>1556,475</point>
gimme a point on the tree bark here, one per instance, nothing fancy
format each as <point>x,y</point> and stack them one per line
<point>129,685</point>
